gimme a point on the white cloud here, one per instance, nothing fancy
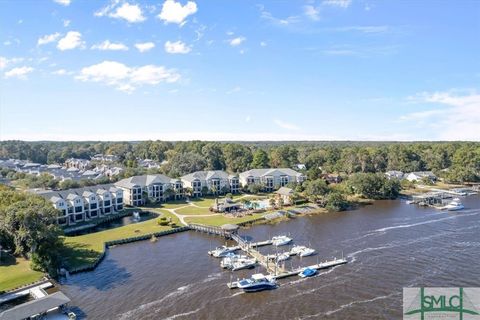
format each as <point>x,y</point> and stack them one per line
<point>66,23</point>
<point>263,44</point>
<point>4,62</point>
<point>457,119</point>
<point>337,3</point>
<point>236,41</point>
<point>144,46</point>
<point>110,46</point>
<point>129,12</point>
<point>177,47</point>
<point>312,12</point>
<point>126,78</point>
<point>248,119</point>
<point>234,90</point>
<point>285,125</point>
<point>72,40</point>
<point>61,72</point>
<point>364,29</point>
<point>63,2</point>
<point>264,14</point>
<point>20,72</point>
<point>174,12</point>
<point>48,38</point>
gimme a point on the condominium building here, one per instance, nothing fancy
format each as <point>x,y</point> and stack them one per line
<point>271,179</point>
<point>216,182</point>
<point>155,188</point>
<point>85,204</point>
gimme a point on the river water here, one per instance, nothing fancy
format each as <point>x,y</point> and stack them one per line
<point>390,245</point>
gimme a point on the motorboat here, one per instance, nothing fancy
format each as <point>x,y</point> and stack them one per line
<point>307,272</point>
<point>306,252</point>
<point>257,282</point>
<point>279,256</point>
<point>297,249</point>
<point>410,201</point>
<point>230,258</point>
<point>454,205</point>
<point>243,264</point>
<point>281,240</point>
<point>222,251</point>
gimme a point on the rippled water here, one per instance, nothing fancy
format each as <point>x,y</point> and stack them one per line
<point>390,245</point>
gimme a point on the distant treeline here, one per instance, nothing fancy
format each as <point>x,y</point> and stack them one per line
<point>454,161</point>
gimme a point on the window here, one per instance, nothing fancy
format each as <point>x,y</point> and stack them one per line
<point>93,206</point>
<point>119,200</point>
<point>78,209</point>
<point>106,203</point>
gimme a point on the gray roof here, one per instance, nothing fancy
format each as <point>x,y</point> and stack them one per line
<point>144,180</point>
<point>284,191</point>
<point>72,193</point>
<point>207,175</point>
<point>34,307</point>
<point>271,171</point>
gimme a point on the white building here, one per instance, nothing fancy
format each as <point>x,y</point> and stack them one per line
<point>394,174</point>
<point>85,204</point>
<point>216,182</point>
<point>419,175</point>
<point>158,187</point>
<point>271,179</point>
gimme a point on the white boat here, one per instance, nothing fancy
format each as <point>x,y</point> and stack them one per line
<point>243,264</point>
<point>222,251</point>
<point>410,202</point>
<point>454,205</point>
<point>257,282</point>
<point>281,240</point>
<point>297,249</point>
<point>279,256</point>
<point>306,252</point>
<point>230,259</point>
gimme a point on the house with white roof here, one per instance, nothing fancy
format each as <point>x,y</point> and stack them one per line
<point>215,181</point>
<point>158,188</point>
<point>420,175</point>
<point>271,179</point>
<point>394,174</point>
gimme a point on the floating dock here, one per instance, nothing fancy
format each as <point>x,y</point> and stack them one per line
<point>285,274</point>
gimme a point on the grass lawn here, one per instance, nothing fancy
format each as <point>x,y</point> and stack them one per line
<point>204,202</point>
<point>16,272</point>
<point>193,210</point>
<point>220,219</point>
<point>85,249</point>
<point>174,204</point>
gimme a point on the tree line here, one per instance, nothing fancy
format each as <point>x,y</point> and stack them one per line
<point>454,161</point>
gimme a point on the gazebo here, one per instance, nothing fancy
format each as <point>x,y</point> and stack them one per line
<point>230,229</point>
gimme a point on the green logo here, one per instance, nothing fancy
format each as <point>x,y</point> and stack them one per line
<point>441,303</point>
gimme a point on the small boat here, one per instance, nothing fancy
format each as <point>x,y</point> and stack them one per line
<point>410,202</point>
<point>281,240</point>
<point>307,272</point>
<point>243,264</point>
<point>307,252</point>
<point>221,252</point>
<point>279,256</point>
<point>257,282</point>
<point>297,249</point>
<point>230,258</point>
<point>454,205</point>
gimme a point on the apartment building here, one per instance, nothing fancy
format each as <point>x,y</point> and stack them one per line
<point>271,179</point>
<point>216,182</point>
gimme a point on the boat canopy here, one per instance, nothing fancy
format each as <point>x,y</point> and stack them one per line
<point>258,276</point>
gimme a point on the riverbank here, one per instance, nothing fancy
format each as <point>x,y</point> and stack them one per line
<point>16,272</point>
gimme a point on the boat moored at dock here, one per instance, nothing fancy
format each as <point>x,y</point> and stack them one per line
<point>307,273</point>
<point>257,282</point>
<point>281,240</point>
<point>222,251</point>
<point>454,205</point>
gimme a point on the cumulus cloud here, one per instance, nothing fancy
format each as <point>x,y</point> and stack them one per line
<point>456,118</point>
<point>144,46</point>
<point>72,40</point>
<point>126,78</point>
<point>110,46</point>
<point>285,125</point>
<point>177,47</point>
<point>61,72</point>
<point>312,12</point>
<point>4,61</point>
<point>236,41</point>
<point>337,3</point>
<point>48,38</point>
<point>129,12</point>
<point>63,2</point>
<point>20,72</point>
<point>174,12</point>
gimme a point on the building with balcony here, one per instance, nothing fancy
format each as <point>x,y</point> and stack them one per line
<point>271,179</point>
<point>216,182</point>
<point>85,204</point>
<point>154,188</point>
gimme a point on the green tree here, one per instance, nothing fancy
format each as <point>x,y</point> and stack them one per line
<point>260,159</point>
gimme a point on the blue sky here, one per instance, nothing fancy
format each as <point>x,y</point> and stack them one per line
<point>240,70</point>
